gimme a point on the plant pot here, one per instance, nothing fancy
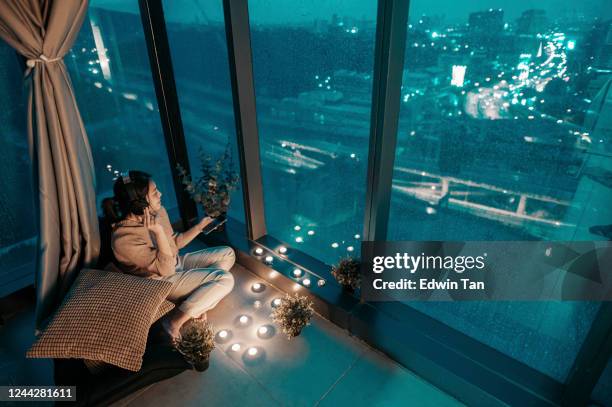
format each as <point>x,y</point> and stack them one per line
<point>201,365</point>
<point>297,333</point>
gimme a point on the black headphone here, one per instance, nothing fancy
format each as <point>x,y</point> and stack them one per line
<point>137,203</point>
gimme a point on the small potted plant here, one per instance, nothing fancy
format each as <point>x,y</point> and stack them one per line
<point>347,273</point>
<point>196,343</point>
<point>293,314</point>
<point>213,188</point>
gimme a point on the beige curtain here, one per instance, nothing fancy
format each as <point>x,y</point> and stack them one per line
<point>43,31</point>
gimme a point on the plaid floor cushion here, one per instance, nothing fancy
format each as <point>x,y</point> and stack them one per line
<point>99,366</point>
<point>105,317</point>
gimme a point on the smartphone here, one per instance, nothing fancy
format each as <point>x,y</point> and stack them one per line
<point>214,225</point>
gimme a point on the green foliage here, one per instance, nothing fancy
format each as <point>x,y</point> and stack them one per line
<point>346,272</point>
<point>293,314</point>
<point>213,188</point>
<point>197,341</point>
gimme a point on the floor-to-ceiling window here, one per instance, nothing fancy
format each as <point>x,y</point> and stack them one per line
<point>312,64</point>
<point>196,33</point>
<point>504,134</point>
<point>18,230</point>
<point>111,75</point>
<point>602,393</point>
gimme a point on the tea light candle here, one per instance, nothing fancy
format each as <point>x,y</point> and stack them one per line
<point>269,259</point>
<point>236,347</point>
<point>244,319</point>
<point>276,302</point>
<point>256,287</point>
<point>223,334</point>
<point>282,250</point>
<point>252,351</point>
<point>306,282</point>
<point>257,304</point>
<point>321,282</point>
<point>259,251</point>
<point>262,330</point>
<point>297,272</point>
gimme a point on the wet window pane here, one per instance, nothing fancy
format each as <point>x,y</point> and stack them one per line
<point>18,230</point>
<point>196,33</point>
<point>110,71</point>
<point>313,64</point>
<point>505,134</point>
<point>602,393</point>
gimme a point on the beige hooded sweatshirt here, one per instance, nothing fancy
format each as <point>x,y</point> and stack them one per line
<point>136,251</point>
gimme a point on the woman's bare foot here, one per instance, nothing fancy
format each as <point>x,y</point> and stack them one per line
<point>170,330</point>
<point>173,322</point>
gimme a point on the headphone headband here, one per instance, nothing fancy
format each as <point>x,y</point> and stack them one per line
<point>129,186</point>
<point>126,177</point>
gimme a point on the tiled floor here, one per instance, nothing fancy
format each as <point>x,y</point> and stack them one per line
<point>324,366</point>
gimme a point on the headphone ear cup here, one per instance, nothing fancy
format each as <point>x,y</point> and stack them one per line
<point>139,205</point>
<point>142,203</point>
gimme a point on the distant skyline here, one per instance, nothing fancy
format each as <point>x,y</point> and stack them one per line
<point>304,11</point>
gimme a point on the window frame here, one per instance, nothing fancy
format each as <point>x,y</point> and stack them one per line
<point>156,38</point>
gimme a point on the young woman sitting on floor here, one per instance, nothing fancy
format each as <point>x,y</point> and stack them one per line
<point>144,244</point>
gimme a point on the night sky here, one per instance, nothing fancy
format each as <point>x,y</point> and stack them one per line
<point>300,11</point>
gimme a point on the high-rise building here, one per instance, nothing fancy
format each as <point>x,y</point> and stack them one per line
<point>604,58</point>
<point>531,22</point>
<point>489,22</point>
<point>485,29</point>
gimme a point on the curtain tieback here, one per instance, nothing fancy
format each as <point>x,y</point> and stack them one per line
<point>42,58</point>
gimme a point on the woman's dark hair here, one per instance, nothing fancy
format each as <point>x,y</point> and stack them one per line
<point>131,191</point>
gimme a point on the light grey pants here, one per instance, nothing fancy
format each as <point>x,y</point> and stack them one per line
<point>202,279</point>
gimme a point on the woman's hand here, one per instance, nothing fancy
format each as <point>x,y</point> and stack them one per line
<point>165,257</point>
<point>183,239</point>
<point>205,221</point>
<point>150,222</point>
